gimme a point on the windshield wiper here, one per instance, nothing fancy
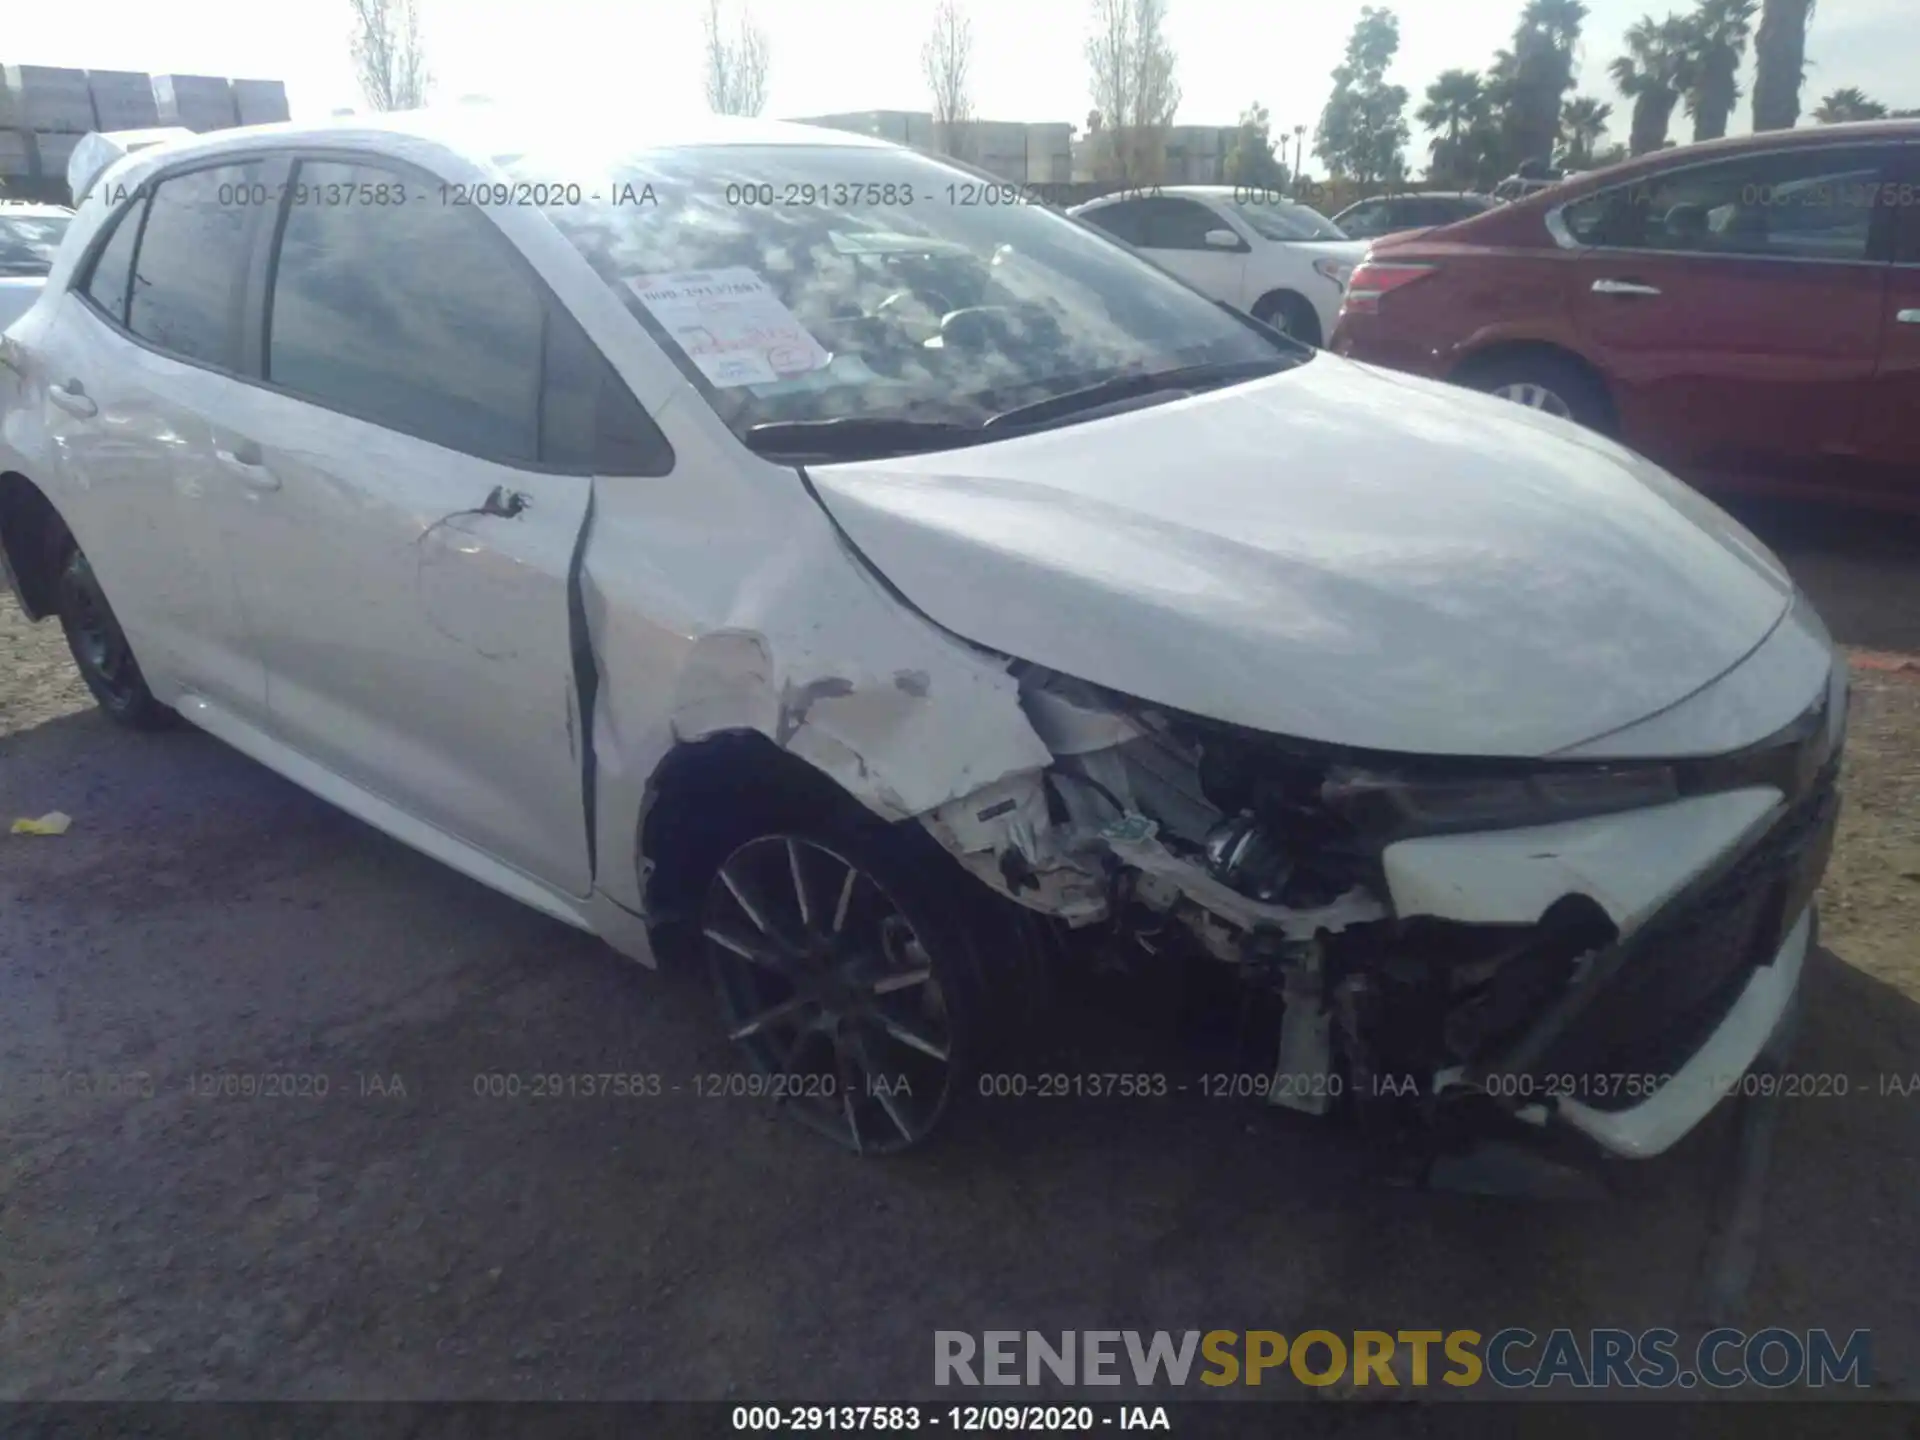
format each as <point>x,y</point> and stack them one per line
<point>1134,383</point>
<point>857,437</point>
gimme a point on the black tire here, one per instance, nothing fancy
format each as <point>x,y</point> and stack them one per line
<point>863,1004</point>
<point>100,650</point>
<point>1549,383</point>
<point>1292,315</point>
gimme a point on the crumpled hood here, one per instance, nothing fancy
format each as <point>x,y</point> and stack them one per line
<point>1337,553</point>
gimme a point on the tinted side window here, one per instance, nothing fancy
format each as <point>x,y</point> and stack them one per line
<point>1175,224</point>
<point>1367,220</point>
<point>189,279</point>
<point>408,315</point>
<point>589,420</point>
<point>1124,221</point>
<point>112,273</point>
<point>1806,204</point>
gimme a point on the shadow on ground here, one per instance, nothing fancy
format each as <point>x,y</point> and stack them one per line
<point>409,1234</point>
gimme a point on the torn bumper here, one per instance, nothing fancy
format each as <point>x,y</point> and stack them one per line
<point>1759,1022</point>
<point>1668,1022</point>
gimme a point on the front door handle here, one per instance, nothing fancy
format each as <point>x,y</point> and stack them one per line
<point>246,462</point>
<point>1623,287</point>
<point>1908,317</point>
<point>72,397</point>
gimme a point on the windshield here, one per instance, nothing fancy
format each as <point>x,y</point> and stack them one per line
<point>28,242</point>
<point>1284,220</point>
<point>803,284</point>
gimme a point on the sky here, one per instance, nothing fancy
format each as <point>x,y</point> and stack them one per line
<point>841,55</point>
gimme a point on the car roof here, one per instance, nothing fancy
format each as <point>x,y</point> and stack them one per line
<point>492,132</point>
<point>1812,137</point>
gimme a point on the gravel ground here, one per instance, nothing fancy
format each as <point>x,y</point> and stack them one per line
<point>405,1237</point>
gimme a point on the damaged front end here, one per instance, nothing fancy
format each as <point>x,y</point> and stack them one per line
<point>1439,937</point>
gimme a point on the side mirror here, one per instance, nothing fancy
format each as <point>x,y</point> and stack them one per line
<point>1222,240</point>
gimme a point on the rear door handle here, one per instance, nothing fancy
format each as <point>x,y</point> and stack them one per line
<point>72,397</point>
<point>1623,287</point>
<point>245,460</point>
<point>1908,317</point>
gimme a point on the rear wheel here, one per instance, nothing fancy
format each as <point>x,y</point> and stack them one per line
<point>100,649</point>
<point>1547,383</point>
<point>850,988</point>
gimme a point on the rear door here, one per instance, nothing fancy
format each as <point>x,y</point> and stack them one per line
<point>1890,433</point>
<point>140,352</point>
<point>1735,306</point>
<point>425,443</point>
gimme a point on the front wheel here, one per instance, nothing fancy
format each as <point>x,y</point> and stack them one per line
<point>847,985</point>
<point>100,649</point>
<point>1292,316</point>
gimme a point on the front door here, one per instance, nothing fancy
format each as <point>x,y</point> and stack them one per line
<point>407,563</point>
<point>1735,307</point>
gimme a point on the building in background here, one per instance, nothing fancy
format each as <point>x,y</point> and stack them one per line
<point>45,112</point>
<point>1013,150</point>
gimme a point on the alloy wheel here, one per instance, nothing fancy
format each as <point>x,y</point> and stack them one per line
<point>1535,397</point>
<point>829,989</point>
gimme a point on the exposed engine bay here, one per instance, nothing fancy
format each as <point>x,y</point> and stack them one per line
<point>1187,838</point>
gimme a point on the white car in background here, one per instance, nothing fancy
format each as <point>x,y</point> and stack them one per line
<point>1281,262</point>
<point>869,595</point>
<point>29,237</point>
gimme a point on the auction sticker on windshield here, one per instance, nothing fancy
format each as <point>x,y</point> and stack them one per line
<point>732,325</point>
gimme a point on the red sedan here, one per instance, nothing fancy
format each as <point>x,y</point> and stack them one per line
<point>1745,312</point>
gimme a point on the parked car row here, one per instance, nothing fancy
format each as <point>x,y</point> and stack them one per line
<point>874,600</point>
<point>1744,312</point>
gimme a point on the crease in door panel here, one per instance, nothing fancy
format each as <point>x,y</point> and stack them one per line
<point>586,679</point>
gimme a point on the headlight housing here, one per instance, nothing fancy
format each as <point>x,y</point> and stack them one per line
<point>1395,806</point>
<point>1338,271</point>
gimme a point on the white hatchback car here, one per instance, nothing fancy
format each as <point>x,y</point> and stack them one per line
<point>747,545</point>
<point>1281,262</point>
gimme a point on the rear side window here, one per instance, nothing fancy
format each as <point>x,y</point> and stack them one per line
<point>1816,204</point>
<point>112,272</point>
<point>1124,221</point>
<point>412,315</point>
<point>189,278</point>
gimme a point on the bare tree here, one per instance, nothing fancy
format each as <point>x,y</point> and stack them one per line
<point>1133,88</point>
<point>947,57</point>
<point>387,54</point>
<point>736,68</point>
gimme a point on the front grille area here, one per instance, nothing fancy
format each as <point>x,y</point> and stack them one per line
<point>1689,964</point>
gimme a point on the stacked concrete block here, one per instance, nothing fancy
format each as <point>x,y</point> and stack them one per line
<point>1049,154</point>
<point>261,102</point>
<point>123,99</point>
<point>197,102</point>
<point>45,99</point>
<point>16,155</point>
<point>55,150</point>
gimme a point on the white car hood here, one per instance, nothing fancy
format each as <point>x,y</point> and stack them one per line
<point>1336,553</point>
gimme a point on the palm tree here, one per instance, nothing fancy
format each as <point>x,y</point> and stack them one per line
<point>1721,29</point>
<point>1456,111</point>
<point>1583,122</point>
<point>1656,70</point>
<point>1780,63</point>
<point>1849,104</point>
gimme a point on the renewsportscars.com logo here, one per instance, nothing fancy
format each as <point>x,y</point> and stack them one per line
<point>1512,1359</point>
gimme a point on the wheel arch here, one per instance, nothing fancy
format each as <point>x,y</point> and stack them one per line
<point>29,523</point>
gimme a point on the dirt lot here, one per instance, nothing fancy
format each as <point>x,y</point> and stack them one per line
<point>405,1236</point>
